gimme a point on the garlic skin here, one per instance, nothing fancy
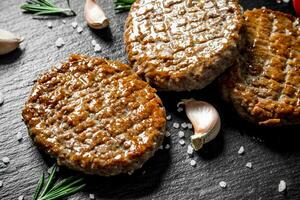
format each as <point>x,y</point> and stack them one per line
<point>94,15</point>
<point>206,122</point>
<point>8,42</point>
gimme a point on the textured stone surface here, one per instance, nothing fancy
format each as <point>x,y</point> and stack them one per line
<point>274,153</point>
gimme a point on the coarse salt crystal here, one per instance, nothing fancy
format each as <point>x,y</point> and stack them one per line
<point>223,184</point>
<point>94,42</point>
<point>179,109</point>
<point>168,134</point>
<point>64,21</point>
<point>190,126</point>
<point>1,183</point>
<point>49,24</point>
<point>74,24</point>
<point>79,29</point>
<point>181,134</point>
<point>193,163</point>
<point>1,98</point>
<point>190,150</point>
<point>97,48</point>
<point>175,125</point>
<point>59,43</point>
<point>92,196</point>
<point>249,165</point>
<point>161,147</point>
<point>169,117</point>
<point>282,186</point>
<point>167,146</point>
<point>181,142</point>
<point>19,136</point>
<point>184,125</point>
<point>117,157</point>
<point>21,197</point>
<point>5,160</point>
<point>241,150</point>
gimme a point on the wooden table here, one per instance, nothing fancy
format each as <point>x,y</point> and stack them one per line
<point>274,153</point>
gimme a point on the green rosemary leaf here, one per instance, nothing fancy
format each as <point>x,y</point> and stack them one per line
<point>39,187</point>
<point>64,193</point>
<point>46,7</point>
<point>59,190</point>
<point>50,181</point>
<point>123,5</point>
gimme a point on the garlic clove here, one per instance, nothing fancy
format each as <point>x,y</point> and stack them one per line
<point>206,122</point>
<point>8,42</point>
<point>94,15</point>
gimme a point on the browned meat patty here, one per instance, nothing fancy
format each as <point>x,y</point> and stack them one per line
<point>95,116</point>
<point>265,86</point>
<point>182,44</point>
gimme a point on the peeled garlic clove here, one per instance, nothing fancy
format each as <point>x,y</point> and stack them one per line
<point>94,15</point>
<point>206,122</point>
<point>8,42</point>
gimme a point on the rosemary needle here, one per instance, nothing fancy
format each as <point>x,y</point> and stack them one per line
<point>46,7</point>
<point>52,191</point>
<point>123,5</point>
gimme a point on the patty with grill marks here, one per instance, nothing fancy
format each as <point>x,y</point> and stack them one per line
<point>265,86</point>
<point>96,116</point>
<point>183,45</point>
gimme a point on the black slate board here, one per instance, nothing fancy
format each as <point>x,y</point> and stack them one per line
<point>274,153</point>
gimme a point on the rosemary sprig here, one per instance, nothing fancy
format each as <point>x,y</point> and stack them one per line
<point>59,190</point>
<point>46,7</point>
<point>123,5</point>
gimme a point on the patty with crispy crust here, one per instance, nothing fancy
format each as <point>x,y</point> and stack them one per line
<point>182,45</point>
<point>96,116</point>
<point>265,87</point>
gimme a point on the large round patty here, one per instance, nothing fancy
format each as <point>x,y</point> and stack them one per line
<point>182,44</point>
<point>96,116</point>
<point>265,86</point>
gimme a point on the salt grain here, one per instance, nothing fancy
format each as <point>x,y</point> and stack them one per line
<point>21,197</point>
<point>1,98</point>
<point>167,146</point>
<point>74,24</point>
<point>94,42</point>
<point>92,196</point>
<point>181,142</point>
<point>5,160</point>
<point>190,150</point>
<point>175,125</point>
<point>97,48</point>
<point>181,134</point>
<point>223,184</point>
<point>59,43</point>
<point>179,109</point>
<point>64,21</point>
<point>79,29</point>
<point>190,126</point>
<point>49,24</point>
<point>282,186</point>
<point>168,134</point>
<point>184,125</point>
<point>19,136</point>
<point>1,183</point>
<point>161,147</point>
<point>249,165</point>
<point>193,163</point>
<point>241,150</point>
<point>169,117</point>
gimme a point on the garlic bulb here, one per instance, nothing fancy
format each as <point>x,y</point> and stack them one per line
<point>8,42</point>
<point>94,15</point>
<point>206,122</point>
